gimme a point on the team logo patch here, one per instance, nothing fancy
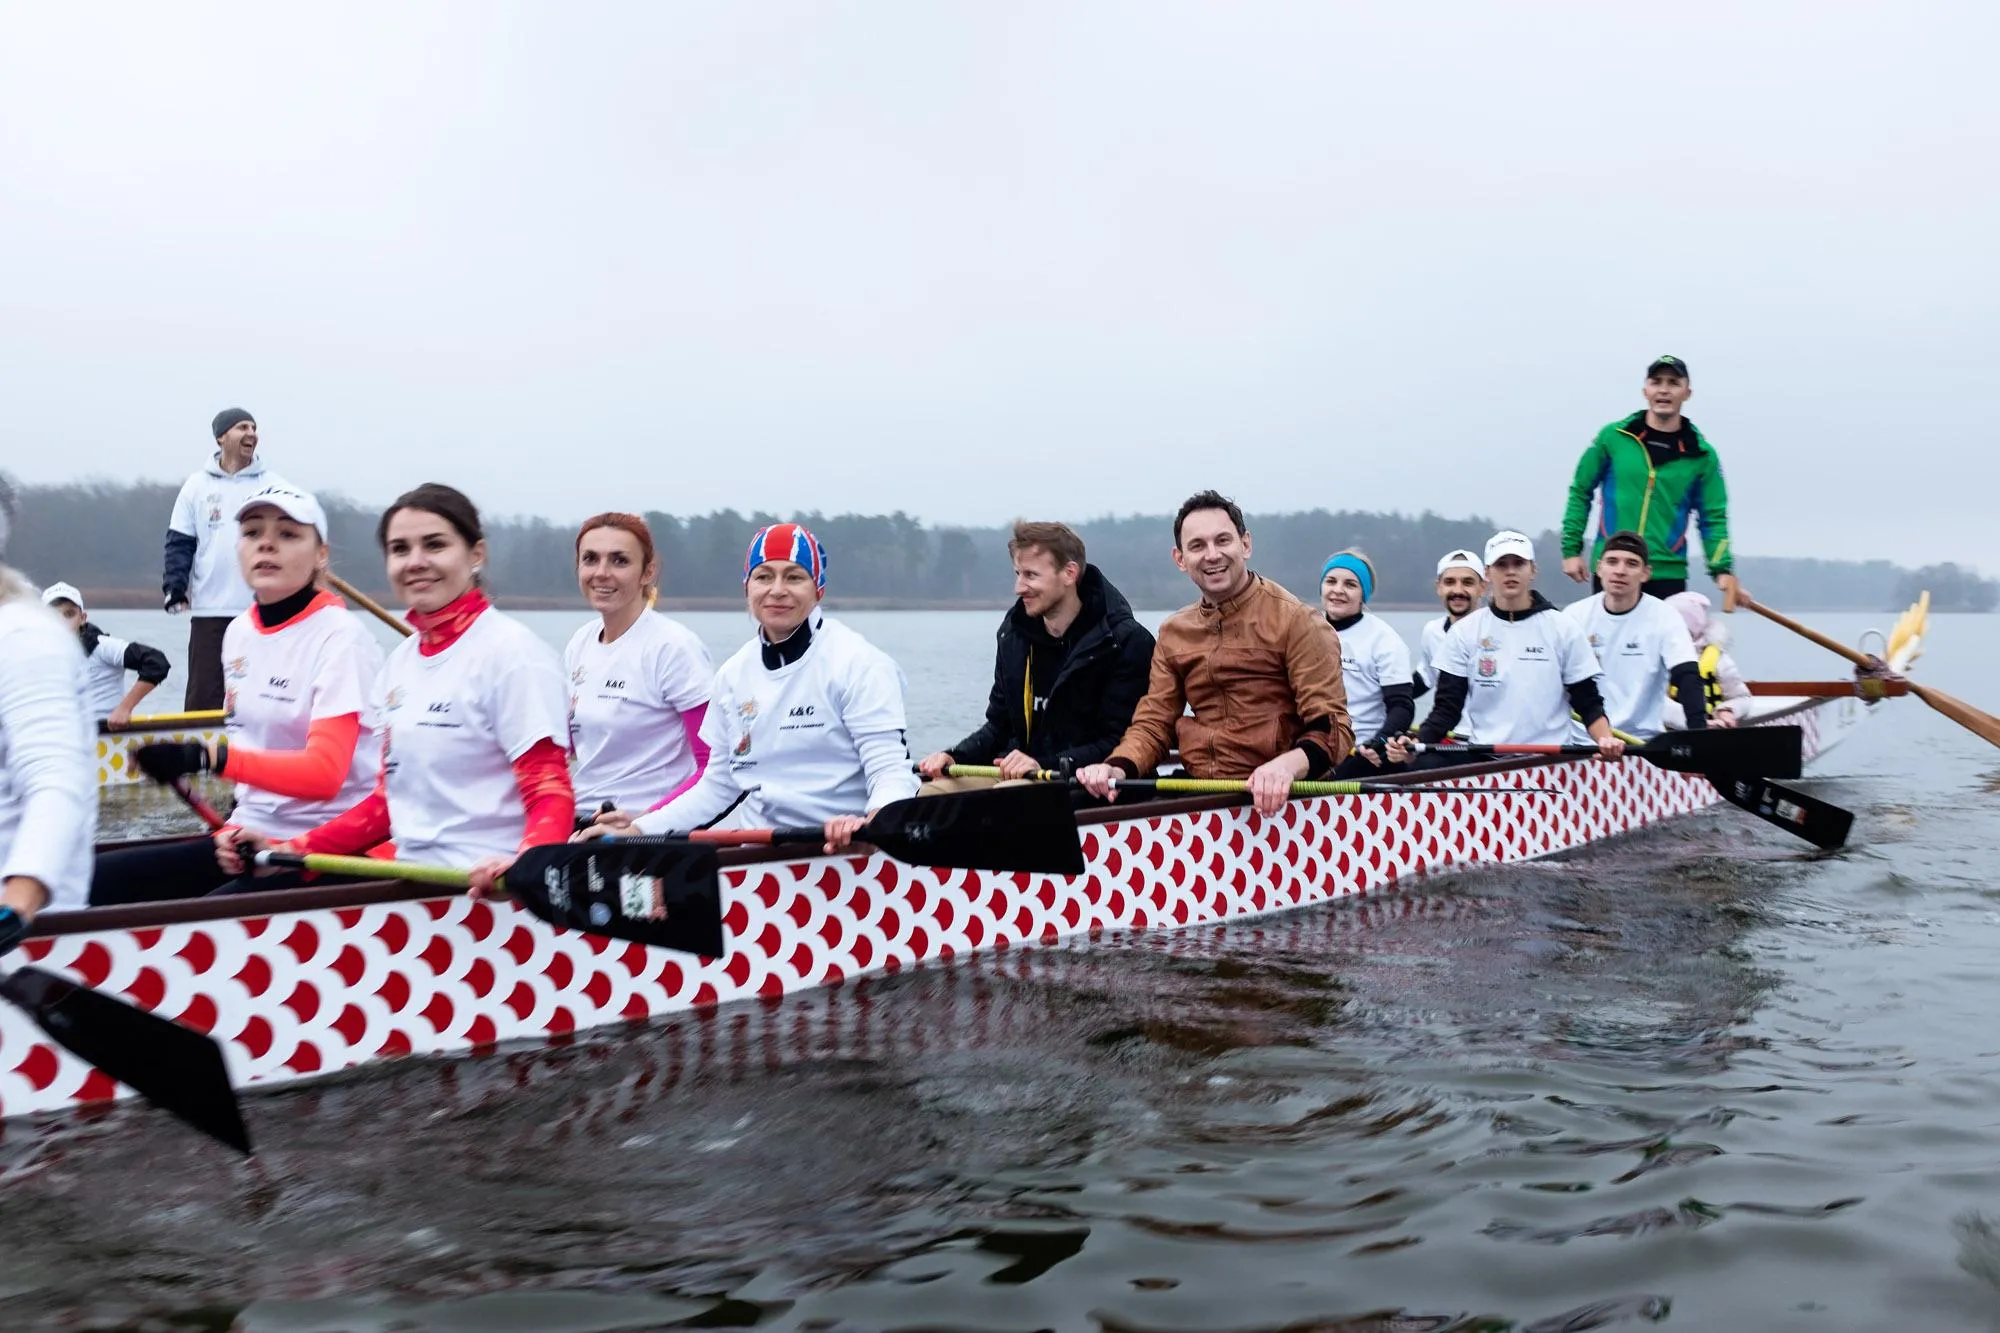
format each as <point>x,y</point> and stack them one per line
<point>743,745</point>
<point>239,667</point>
<point>229,703</point>
<point>747,710</point>
<point>394,699</point>
<point>1488,644</point>
<point>642,897</point>
<point>576,676</point>
<point>1489,667</point>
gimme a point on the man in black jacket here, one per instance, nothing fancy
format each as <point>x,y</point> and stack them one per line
<point>1071,664</point>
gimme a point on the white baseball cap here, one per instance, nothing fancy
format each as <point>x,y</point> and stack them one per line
<point>1460,559</point>
<point>297,505</point>
<point>62,592</point>
<point>1509,542</point>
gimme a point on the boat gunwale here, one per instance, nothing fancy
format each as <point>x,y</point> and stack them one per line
<point>370,893</point>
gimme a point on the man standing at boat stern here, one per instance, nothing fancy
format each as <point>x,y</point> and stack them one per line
<point>1642,647</point>
<point>1246,681</point>
<point>1651,472</point>
<point>1070,667</point>
<point>202,575</point>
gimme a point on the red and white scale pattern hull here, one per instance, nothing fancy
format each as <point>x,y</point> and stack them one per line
<point>303,993</point>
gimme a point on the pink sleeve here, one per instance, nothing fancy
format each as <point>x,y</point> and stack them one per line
<point>691,720</point>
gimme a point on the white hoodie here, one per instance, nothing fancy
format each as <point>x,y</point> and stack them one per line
<point>206,511</point>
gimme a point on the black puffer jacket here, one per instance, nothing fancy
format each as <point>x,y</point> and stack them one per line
<point>1079,715</point>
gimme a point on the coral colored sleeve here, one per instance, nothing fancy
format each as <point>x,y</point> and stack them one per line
<point>315,773</point>
<point>691,720</point>
<point>542,774</point>
<point>363,827</point>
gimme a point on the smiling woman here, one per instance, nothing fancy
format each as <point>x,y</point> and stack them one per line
<point>806,721</point>
<point>472,710</point>
<point>300,743</point>
<point>638,681</point>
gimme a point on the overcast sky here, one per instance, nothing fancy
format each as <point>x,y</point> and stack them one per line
<point>981,260</point>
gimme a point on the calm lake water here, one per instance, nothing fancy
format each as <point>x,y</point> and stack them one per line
<point>1698,1078</point>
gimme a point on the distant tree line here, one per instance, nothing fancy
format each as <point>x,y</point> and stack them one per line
<point>107,536</point>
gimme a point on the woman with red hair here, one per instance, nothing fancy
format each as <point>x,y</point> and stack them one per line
<point>638,681</point>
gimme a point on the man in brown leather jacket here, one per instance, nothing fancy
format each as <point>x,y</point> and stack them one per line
<point>1246,681</point>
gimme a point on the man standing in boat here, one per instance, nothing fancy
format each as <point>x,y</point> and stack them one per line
<point>1246,681</point>
<point>1070,667</point>
<point>1512,671</point>
<point>202,574</point>
<point>1651,472</point>
<point>1642,646</point>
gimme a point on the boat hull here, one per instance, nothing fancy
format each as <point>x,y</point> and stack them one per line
<point>296,989</point>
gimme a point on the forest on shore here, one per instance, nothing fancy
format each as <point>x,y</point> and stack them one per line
<point>106,537</point>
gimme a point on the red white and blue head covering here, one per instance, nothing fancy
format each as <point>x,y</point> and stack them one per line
<point>787,541</point>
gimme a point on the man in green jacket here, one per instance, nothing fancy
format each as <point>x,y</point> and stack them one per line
<point>1654,470</point>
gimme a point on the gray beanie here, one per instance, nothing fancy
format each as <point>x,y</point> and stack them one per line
<point>228,418</point>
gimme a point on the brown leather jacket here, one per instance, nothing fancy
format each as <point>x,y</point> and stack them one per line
<point>1260,674</point>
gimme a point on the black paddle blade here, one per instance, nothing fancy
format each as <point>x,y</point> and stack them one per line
<point>1028,828</point>
<point>667,894</point>
<point>1821,823</point>
<point>1737,752</point>
<point>177,1069</point>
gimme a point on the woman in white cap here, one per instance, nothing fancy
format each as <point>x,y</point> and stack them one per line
<point>300,738</point>
<point>473,711</point>
<point>48,781</point>
<point>805,722</point>
<point>106,660</point>
<point>1513,670</point>
<point>1374,662</point>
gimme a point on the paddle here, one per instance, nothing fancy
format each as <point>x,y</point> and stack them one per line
<point>213,717</point>
<point>366,603</point>
<point>1820,823</point>
<point>177,1069</point>
<point>1979,722</point>
<point>1029,829</point>
<point>1867,687</point>
<point>664,893</point>
<point>1730,751</point>
<point>1229,786</point>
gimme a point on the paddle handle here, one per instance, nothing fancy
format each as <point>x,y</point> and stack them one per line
<point>366,867</point>
<point>1827,642</point>
<point>184,790</point>
<point>1869,687</point>
<point>762,837</point>
<point>366,603</point>
<point>161,721</point>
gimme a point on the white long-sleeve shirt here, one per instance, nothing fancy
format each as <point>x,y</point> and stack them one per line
<point>205,510</point>
<point>48,779</point>
<point>817,737</point>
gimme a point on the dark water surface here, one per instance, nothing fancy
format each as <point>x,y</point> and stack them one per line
<point>1698,1078</point>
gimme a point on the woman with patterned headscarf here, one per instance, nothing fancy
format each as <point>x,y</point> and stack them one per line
<point>805,723</point>
<point>48,781</point>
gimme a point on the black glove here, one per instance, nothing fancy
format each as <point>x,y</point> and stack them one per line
<point>12,928</point>
<point>163,761</point>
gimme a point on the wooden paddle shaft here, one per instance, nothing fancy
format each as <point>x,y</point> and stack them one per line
<point>366,603</point>
<point>1870,688</point>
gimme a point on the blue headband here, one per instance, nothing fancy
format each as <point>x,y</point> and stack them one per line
<point>1354,565</point>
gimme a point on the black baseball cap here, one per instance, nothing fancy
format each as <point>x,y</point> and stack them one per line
<point>1668,365</point>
